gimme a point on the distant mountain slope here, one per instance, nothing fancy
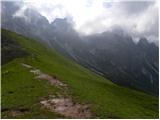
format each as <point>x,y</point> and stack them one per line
<point>10,49</point>
<point>21,91</point>
<point>126,63</point>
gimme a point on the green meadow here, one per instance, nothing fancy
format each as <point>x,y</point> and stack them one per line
<point>20,90</point>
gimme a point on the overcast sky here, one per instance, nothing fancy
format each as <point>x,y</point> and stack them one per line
<point>138,18</point>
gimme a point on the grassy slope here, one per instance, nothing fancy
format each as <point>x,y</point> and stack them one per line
<point>108,100</point>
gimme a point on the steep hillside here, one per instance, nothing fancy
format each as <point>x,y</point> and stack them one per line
<point>22,92</point>
<point>11,49</point>
<point>113,54</point>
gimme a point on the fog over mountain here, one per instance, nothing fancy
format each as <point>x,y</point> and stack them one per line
<point>99,35</point>
<point>137,18</point>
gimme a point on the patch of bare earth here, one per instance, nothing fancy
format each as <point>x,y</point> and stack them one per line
<point>67,108</point>
<point>44,76</point>
<point>52,80</point>
<point>62,105</point>
<point>25,65</point>
<point>16,112</point>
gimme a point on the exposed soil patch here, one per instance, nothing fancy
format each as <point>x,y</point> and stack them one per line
<point>36,71</point>
<point>44,76</point>
<point>52,80</point>
<point>25,65</point>
<point>40,75</point>
<point>18,112</point>
<point>67,108</point>
<point>60,104</point>
<point>15,112</point>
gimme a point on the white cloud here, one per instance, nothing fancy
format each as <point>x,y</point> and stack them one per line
<point>20,12</point>
<point>95,16</point>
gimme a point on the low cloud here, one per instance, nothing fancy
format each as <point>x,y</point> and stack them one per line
<point>140,19</point>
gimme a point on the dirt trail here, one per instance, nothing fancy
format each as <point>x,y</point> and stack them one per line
<point>44,76</point>
<point>25,65</point>
<point>62,105</point>
<point>67,107</point>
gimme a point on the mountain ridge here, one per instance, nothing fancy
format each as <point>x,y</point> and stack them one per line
<point>112,54</point>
